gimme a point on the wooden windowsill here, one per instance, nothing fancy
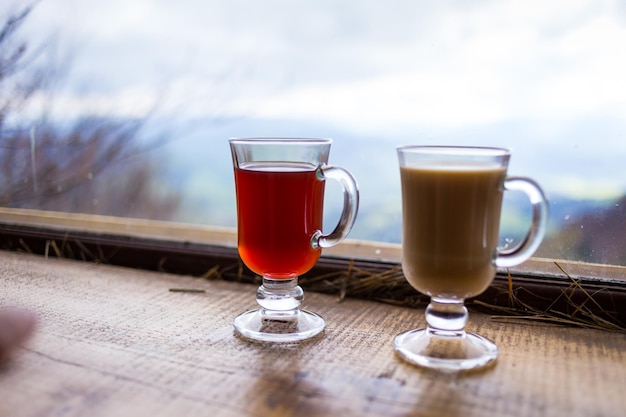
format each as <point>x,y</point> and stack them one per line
<point>595,295</point>
<point>114,341</point>
<point>223,236</point>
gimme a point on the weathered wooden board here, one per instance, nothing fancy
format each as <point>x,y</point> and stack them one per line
<point>113,341</point>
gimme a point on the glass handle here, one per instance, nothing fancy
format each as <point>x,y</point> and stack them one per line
<point>518,254</point>
<point>350,207</point>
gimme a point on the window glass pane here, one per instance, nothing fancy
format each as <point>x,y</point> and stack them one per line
<point>125,108</point>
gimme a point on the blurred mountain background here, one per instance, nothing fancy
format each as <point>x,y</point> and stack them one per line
<point>163,166</point>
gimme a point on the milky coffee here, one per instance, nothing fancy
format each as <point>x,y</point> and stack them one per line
<point>451,218</point>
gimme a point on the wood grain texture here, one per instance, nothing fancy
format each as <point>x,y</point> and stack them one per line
<point>114,341</point>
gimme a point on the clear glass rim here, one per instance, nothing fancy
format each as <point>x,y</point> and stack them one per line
<point>278,140</point>
<point>454,150</point>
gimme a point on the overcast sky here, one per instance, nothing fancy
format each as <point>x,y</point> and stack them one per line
<point>381,68</point>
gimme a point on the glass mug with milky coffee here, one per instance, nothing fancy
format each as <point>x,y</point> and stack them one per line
<point>279,184</point>
<point>451,203</point>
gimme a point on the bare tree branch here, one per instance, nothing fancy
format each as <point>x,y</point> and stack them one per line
<point>90,166</point>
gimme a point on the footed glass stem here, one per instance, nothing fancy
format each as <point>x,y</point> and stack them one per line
<point>444,344</point>
<point>279,319</point>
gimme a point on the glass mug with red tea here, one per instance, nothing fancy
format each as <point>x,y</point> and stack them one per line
<point>280,184</point>
<point>451,204</point>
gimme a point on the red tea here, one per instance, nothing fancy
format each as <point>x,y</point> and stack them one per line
<point>279,208</point>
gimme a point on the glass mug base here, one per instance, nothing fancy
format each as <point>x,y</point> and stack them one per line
<point>464,351</point>
<point>293,327</point>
